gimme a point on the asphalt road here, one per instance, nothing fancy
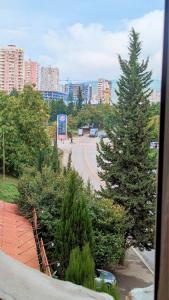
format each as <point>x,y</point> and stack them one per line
<point>83,158</point>
<point>139,266</point>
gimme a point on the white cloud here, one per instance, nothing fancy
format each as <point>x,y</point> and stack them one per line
<point>88,52</point>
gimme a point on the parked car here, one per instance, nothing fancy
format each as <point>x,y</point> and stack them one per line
<point>80,131</point>
<point>102,134</point>
<point>154,145</point>
<point>93,132</point>
<point>104,276</point>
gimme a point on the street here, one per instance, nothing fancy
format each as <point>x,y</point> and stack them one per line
<point>83,158</point>
<point>139,266</point>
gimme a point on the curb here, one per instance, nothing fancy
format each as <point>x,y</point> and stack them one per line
<point>143,260</point>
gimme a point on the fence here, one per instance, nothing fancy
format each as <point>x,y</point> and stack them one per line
<point>40,243</point>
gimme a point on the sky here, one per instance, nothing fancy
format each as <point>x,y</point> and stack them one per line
<point>83,37</point>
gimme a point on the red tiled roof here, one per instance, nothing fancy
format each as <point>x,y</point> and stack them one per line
<point>16,235</point>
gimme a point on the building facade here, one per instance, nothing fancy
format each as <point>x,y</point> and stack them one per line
<point>54,95</point>
<point>72,89</point>
<point>49,79</point>
<point>104,91</point>
<point>11,68</point>
<point>31,73</point>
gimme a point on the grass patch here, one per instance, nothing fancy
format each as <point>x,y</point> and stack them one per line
<point>8,189</point>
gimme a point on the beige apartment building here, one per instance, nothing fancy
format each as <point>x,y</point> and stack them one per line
<point>31,73</point>
<point>104,91</point>
<point>11,68</point>
<point>49,79</point>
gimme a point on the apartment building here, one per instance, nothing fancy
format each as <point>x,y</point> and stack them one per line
<point>104,91</point>
<point>49,79</point>
<point>11,68</point>
<point>31,73</point>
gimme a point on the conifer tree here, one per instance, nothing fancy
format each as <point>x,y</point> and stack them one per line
<point>41,159</point>
<point>79,99</point>
<point>74,228</point>
<point>88,268</point>
<point>69,163</point>
<point>74,270</point>
<point>81,268</point>
<point>124,160</point>
<point>55,160</point>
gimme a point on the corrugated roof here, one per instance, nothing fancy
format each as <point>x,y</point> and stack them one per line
<point>16,235</point>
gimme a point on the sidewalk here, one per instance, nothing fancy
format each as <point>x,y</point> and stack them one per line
<point>134,274</point>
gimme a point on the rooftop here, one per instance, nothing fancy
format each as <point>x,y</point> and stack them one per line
<point>16,235</point>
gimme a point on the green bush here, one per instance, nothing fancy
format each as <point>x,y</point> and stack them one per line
<point>109,226</point>
<point>43,191</point>
<point>81,268</point>
<point>111,290</point>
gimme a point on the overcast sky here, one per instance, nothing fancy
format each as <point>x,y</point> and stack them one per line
<point>83,37</point>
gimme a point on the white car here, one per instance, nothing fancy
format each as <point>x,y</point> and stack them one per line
<point>104,276</point>
<point>154,145</point>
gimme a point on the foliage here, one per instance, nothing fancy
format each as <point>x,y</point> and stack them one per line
<point>95,115</point>
<point>55,160</point>
<point>81,268</point>
<point>154,125</point>
<point>66,211</point>
<point>124,160</point>
<point>72,125</point>
<point>43,191</point>
<point>57,107</point>
<point>22,119</point>
<point>111,290</point>
<point>154,109</point>
<point>51,130</point>
<point>109,226</point>
<point>80,100</point>
<point>8,189</point>
<point>74,228</point>
<point>71,109</point>
<point>14,93</point>
<point>154,120</point>
<point>81,271</point>
<point>109,116</point>
<point>69,163</point>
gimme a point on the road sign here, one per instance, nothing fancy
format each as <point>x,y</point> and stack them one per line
<point>61,127</point>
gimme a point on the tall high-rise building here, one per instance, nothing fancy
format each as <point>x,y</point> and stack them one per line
<point>31,73</point>
<point>49,79</point>
<point>104,91</point>
<point>11,68</point>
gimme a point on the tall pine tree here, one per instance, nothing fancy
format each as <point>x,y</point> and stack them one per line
<point>80,99</point>
<point>124,160</point>
<point>74,228</point>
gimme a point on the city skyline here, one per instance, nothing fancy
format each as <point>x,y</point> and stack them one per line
<point>83,42</point>
<point>15,70</point>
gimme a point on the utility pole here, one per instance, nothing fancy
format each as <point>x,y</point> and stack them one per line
<point>3,147</point>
